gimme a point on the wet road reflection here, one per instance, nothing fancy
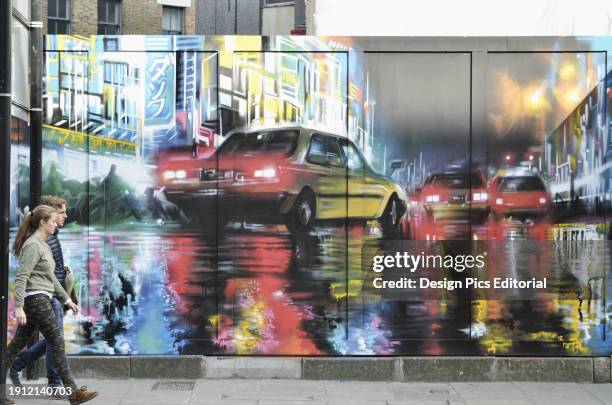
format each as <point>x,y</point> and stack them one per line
<point>151,289</point>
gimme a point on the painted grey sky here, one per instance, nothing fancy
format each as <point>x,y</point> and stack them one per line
<point>423,101</point>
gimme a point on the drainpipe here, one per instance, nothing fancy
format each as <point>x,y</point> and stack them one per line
<point>6,12</point>
<point>36,60</point>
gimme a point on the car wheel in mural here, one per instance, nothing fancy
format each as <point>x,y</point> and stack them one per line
<point>391,215</point>
<point>303,212</point>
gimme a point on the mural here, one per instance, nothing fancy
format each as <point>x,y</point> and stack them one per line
<point>224,193</point>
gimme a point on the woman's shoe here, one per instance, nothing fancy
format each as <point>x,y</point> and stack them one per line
<point>81,395</point>
<point>14,376</point>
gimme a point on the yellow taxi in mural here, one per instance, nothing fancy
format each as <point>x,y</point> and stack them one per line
<point>294,174</point>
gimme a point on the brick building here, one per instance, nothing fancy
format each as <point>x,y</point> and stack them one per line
<point>110,17</point>
<point>250,17</point>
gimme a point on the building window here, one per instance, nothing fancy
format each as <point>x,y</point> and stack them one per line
<point>271,3</point>
<point>109,17</point>
<point>172,20</point>
<point>59,16</point>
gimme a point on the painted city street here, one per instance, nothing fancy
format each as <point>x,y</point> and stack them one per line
<point>225,194</point>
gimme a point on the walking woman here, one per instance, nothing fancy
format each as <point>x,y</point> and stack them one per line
<point>35,285</point>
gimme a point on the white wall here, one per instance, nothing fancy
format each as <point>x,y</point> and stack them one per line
<point>459,17</point>
<point>277,20</point>
<point>175,3</point>
<point>20,83</point>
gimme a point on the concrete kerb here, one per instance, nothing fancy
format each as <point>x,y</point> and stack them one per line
<point>104,367</point>
<point>454,369</point>
<point>172,367</point>
<point>406,369</point>
<point>602,369</point>
<point>350,368</point>
<point>449,369</point>
<point>544,369</point>
<point>254,367</point>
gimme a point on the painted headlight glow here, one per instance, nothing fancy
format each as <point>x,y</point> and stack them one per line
<point>265,173</point>
<point>480,196</point>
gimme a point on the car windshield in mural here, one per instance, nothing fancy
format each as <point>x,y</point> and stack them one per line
<point>224,191</point>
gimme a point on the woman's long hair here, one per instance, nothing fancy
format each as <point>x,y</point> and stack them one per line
<point>30,224</point>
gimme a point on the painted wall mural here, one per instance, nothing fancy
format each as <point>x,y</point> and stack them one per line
<point>224,193</point>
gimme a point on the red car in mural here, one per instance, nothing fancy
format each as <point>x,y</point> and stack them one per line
<point>294,175</point>
<point>520,194</point>
<point>455,194</point>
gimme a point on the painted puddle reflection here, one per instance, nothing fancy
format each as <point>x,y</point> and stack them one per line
<point>159,289</point>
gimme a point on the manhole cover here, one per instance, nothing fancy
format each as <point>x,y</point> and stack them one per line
<point>173,386</point>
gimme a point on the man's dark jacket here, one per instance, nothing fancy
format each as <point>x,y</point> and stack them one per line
<point>58,256</point>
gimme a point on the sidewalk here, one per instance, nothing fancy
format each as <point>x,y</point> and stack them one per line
<point>289,392</point>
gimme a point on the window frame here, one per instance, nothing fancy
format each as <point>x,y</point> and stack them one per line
<point>325,139</point>
<point>281,3</point>
<point>181,11</point>
<point>54,19</point>
<point>308,152</point>
<point>103,25</point>
<point>335,141</point>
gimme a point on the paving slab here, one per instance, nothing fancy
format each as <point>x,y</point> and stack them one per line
<point>424,392</point>
<point>216,389</point>
<point>290,402</point>
<point>314,390</point>
<point>557,393</point>
<point>195,401</point>
<point>426,402</point>
<point>276,396</point>
<point>602,392</point>
<point>275,384</point>
<point>363,390</point>
<point>488,390</point>
<point>286,392</point>
<point>548,401</point>
<point>151,401</point>
<point>497,401</point>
